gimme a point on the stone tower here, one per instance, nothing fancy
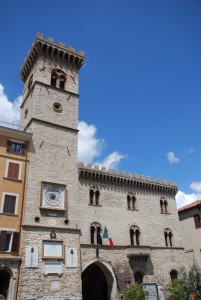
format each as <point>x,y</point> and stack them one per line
<point>50,233</point>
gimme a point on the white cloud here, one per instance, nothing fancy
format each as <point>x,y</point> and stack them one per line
<point>89,146</point>
<point>196,187</point>
<point>183,199</point>
<point>112,160</point>
<point>190,151</point>
<point>172,158</point>
<point>9,111</point>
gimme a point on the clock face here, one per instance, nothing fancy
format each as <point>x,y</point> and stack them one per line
<point>53,197</point>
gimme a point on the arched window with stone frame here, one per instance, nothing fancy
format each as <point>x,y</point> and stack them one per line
<point>168,237</point>
<point>94,196</point>
<point>58,78</point>
<point>131,201</point>
<point>164,205</point>
<point>134,235</point>
<point>95,233</point>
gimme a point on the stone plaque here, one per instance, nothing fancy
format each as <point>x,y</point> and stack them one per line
<point>31,257</point>
<point>52,249</point>
<point>55,285</point>
<point>52,267</point>
<point>71,257</point>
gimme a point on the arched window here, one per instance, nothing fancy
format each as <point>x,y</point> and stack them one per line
<point>95,233</point>
<point>58,79</point>
<point>138,277</point>
<point>164,205</point>
<point>131,201</point>
<point>135,236</point>
<point>173,275</point>
<point>94,196</point>
<point>168,237</point>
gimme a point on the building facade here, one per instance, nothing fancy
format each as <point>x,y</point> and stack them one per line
<point>189,217</point>
<point>70,206</point>
<point>14,160</point>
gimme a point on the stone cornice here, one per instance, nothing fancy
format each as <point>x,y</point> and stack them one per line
<point>130,181</point>
<point>49,49</point>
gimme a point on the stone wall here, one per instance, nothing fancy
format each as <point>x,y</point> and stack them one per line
<point>34,284</point>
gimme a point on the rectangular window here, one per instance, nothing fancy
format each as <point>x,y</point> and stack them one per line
<point>16,147</point>
<point>9,204</point>
<point>13,170</point>
<point>9,241</point>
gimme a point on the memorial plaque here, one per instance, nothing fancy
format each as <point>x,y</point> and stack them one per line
<point>31,257</point>
<point>52,249</point>
<point>51,267</point>
<point>72,258</point>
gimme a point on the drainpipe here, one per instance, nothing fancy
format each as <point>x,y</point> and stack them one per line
<point>22,215</point>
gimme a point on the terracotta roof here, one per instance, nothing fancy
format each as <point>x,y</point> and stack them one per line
<point>189,206</point>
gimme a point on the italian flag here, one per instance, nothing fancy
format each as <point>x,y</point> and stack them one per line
<point>106,236</point>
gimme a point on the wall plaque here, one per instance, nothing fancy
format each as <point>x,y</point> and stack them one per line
<point>31,257</point>
<point>53,249</point>
<point>52,267</point>
<point>72,257</point>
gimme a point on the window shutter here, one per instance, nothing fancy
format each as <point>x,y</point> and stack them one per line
<point>2,240</point>
<point>9,143</point>
<point>13,170</point>
<point>9,204</point>
<point>15,244</point>
<point>23,149</point>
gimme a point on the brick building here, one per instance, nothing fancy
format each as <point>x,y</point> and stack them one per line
<point>68,205</point>
<point>14,159</point>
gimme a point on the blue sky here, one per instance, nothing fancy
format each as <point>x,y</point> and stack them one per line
<point>140,87</point>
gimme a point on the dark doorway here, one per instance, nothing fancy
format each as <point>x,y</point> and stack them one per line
<point>94,284</point>
<point>4,283</point>
<point>138,277</point>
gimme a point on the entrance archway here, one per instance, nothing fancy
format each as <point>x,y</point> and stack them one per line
<point>98,282</point>
<point>4,283</point>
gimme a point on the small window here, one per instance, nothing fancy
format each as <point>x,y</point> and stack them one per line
<point>131,202</point>
<point>135,236</point>
<point>164,206</point>
<point>30,82</point>
<point>95,233</point>
<point>9,241</point>
<point>173,275</point>
<point>57,107</point>
<point>9,204</point>
<point>13,170</point>
<point>58,79</point>
<point>168,237</point>
<point>14,147</point>
<point>94,196</point>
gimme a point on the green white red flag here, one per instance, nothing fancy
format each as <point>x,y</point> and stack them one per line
<point>106,236</point>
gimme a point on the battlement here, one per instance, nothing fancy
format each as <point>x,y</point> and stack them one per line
<point>56,52</point>
<point>129,180</point>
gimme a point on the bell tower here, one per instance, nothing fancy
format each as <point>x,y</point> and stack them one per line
<point>50,233</point>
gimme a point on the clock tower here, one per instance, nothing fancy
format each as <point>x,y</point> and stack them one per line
<point>50,233</point>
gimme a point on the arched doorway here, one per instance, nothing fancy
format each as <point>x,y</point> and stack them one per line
<point>94,283</point>
<point>4,283</point>
<point>138,277</point>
